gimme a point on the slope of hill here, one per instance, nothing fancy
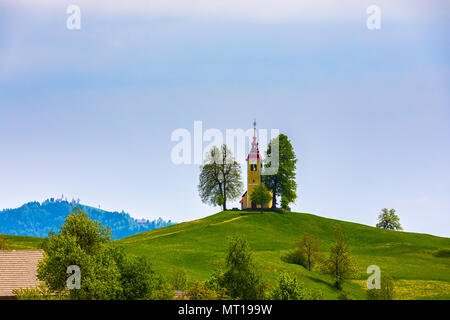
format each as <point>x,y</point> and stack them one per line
<point>36,219</point>
<point>22,242</point>
<point>411,258</point>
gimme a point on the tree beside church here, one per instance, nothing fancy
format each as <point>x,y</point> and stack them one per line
<point>220,177</point>
<point>283,182</point>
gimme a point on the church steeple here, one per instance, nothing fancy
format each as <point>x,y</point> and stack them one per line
<point>254,151</point>
<point>254,167</point>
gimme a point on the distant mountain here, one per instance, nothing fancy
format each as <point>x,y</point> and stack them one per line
<point>36,219</point>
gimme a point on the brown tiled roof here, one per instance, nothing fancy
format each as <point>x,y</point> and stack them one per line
<point>18,270</point>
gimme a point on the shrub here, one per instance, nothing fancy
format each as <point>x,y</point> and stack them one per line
<point>296,256</point>
<point>386,292</point>
<point>198,290</point>
<point>178,279</point>
<point>137,277</point>
<point>240,276</point>
<point>162,290</point>
<point>442,253</point>
<point>289,288</point>
<point>343,295</point>
<point>41,292</point>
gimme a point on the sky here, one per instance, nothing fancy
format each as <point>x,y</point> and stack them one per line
<point>90,113</point>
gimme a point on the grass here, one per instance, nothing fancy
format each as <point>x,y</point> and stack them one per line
<point>22,242</point>
<point>419,263</point>
<point>197,246</point>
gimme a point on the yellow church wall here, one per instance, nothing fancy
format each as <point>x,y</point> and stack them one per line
<point>253,180</point>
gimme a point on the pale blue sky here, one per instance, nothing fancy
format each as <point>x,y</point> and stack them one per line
<point>90,113</point>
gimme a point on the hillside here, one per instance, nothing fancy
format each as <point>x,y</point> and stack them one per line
<point>37,220</point>
<point>413,259</point>
<point>197,245</point>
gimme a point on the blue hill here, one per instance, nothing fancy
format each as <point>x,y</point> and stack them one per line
<point>36,219</point>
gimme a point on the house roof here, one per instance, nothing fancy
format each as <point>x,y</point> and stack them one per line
<point>18,270</point>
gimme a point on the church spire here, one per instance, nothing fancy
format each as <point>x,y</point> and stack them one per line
<point>254,152</point>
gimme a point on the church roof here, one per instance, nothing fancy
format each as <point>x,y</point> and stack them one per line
<point>254,151</point>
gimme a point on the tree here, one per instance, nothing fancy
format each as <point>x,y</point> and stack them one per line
<point>241,277</point>
<point>282,183</point>
<point>220,177</point>
<point>339,265</point>
<point>137,278</point>
<point>260,195</point>
<point>284,203</point>
<point>386,292</point>
<point>309,246</point>
<point>389,220</point>
<point>81,242</point>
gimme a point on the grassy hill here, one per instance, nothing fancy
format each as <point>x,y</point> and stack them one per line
<point>22,242</point>
<point>419,263</point>
<point>411,258</point>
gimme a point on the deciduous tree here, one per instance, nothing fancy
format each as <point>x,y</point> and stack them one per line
<point>339,265</point>
<point>282,183</point>
<point>389,220</point>
<point>220,177</point>
<point>309,245</point>
<point>260,195</point>
<point>241,277</point>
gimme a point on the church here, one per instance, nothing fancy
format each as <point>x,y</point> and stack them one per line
<point>254,167</point>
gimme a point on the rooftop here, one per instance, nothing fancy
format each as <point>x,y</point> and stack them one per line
<point>18,270</point>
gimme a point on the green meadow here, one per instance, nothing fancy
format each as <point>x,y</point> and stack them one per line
<point>419,263</point>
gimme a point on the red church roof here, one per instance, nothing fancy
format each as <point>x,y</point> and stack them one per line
<point>254,152</point>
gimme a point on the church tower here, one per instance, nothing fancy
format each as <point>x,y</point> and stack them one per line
<point>254,167</point>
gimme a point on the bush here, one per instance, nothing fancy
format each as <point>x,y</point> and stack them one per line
<point>296,257</point>
<point>441,253</point>
<point>386,292</point>
<point>289,288</point>
<point>178,279</point>
<point>240,276</point>
<point>198,290</point>
<point>137,277</point>
<point>41,292</point>
<point>162,290</point>
<point>343,295</point>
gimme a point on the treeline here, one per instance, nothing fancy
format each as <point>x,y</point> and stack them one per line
<point>36,219</point>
